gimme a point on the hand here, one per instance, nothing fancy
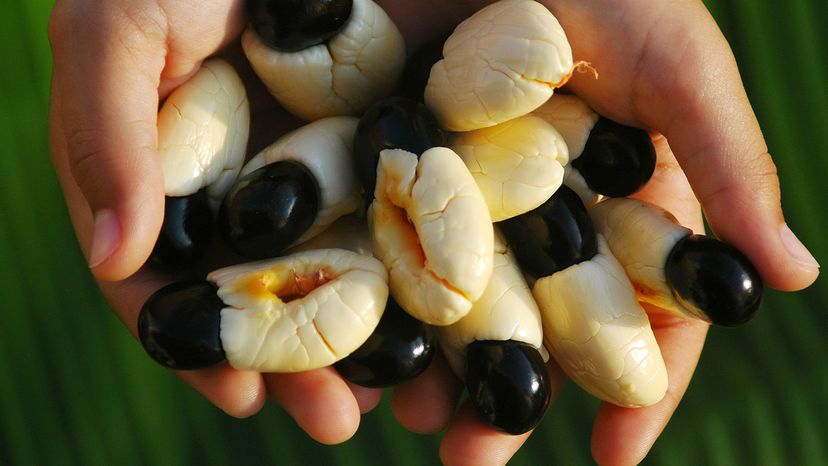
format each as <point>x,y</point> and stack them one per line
<point>115,61</point>
<point>663,66</point>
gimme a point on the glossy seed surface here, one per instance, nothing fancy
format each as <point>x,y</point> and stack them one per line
<point>552,237</point>
<point>269,209</point>
<point>179,326</point>
<point>714,279</point>
<point>293,25</point>
<point>393,123</point>
<point>185,233</point>
<point>400,349</point>
<point>617,159</point>
<point>508,384</point>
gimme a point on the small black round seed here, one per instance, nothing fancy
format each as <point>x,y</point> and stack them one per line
<point>185,233</point>
<point>400,349</point>
<point>418,68</point>
<point>268,209</point>
<point>179,326</point>
<point>714,279</point>
<point>508,384</point>
<point>293,25</point>
<point>617,160</point>
<point>392,123</point>
<point>553,236</point>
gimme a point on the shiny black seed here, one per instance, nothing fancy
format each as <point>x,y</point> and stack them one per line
<point>293,25</point>
<point>418,68</point>
<point>400,348</point>
<point>185,233</point>
<point>393,123</point>
<point>508,384</point>
<point>617,160</point>
<point>552,237</point>
<point>268,209</point>
<point>713,278</point>
<point>179,326</point>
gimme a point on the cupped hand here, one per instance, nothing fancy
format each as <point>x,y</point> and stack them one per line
<point>666,67</point>
<point>663,66</point>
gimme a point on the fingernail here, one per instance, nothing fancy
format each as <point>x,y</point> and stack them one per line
<point>105,238</point>
<point>796,249</point>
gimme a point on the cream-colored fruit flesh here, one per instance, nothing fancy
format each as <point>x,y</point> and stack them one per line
<point>641,235</point>
<point>517,164</point>
<point>598,332</point>
<point>431,227</point>
<point>505,311</point>
<point>203,127</point>
<point>355,68</point>
<point>299,312</point>
<point>501,63</point>
<point>574,120</point>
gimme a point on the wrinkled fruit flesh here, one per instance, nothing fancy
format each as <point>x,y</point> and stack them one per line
<point>714,280</point>
<point>508,384</point>
<point>617,159</point>
<point>392,123</point>
<point>553,236</point>
<point>400,349</point>
<point>179,326</point>
<point>185,233</point>
<point>293,25</point>
<point>269,209</point>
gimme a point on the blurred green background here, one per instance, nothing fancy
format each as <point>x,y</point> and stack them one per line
<point>76,389</point>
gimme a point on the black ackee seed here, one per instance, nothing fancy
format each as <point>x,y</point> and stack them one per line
<point>714,279</point>
<point>553,236</point>
<point>400,349</point>
<point>185,233</point>
<point>418,68</point>
<point>392,123</point>
<point>508,384</point>
<point>293,25</point>
<point>269,208</point>
<point>179,326</point>
<point>617,160</point>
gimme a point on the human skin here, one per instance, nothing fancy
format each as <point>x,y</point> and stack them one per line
<point>664,66</point>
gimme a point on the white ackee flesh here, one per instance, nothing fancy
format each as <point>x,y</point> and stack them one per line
<point>501,63</point>
<point>505,311</point>
<point>598,332</point>
<point>431,227</point>
<point>203,128</point>
<point>574,119</point>
<point>343,76</point>
<point>299,312</point>
<point>325,147</point>
<point>517,164</point>
<point>642,235</point>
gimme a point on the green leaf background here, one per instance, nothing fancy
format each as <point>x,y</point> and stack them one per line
<point>76,389</point>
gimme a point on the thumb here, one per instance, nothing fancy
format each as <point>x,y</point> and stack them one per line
<point>717,140</point>
<point>104,135</point>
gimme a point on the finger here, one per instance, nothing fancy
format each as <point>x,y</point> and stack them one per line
<point>624,436</point>
<point>669,188</point>
<point>470,441</point>
<point>106,76</point>
<point>426,404</point>
<point>319,401</point>
<point>367,398</point>
<point>703,110</point>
